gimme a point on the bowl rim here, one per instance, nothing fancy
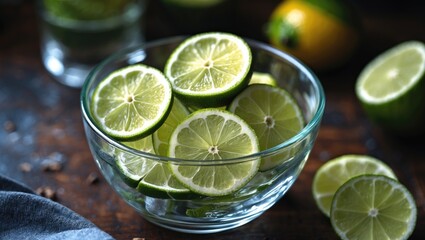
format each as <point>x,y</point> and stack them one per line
<point>308,128</point>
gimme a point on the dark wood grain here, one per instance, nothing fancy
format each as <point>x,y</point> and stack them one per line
<point>40,121</point>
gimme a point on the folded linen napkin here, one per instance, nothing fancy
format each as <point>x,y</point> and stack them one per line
<point>26,215</point>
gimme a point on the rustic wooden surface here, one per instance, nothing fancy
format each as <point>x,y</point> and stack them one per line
<point>40,123</point>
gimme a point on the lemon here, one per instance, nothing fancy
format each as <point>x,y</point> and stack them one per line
<point>209,69</point>
<point>323,34</point>
<point>373,207</point>
<point>391,88</point>
<point>210,136</point>
<point>132,102</point>
<point>337,171</point>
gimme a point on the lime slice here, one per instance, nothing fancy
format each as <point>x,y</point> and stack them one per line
<point>160,183</point>
<point>132,102</point>
<point>133,168</point>
<point>209,69</point>
<point>273,114</point>
<point>213,135</point>
<point>337,171</point>
<point>150,177</point>
<point>263,78</point>
<point>373,207</point>
<point>161,136</point>
<point>391,88</point>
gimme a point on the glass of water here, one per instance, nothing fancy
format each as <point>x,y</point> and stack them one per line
<point>77,34</point>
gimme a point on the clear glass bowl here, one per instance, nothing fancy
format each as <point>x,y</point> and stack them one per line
<point>211,214</point>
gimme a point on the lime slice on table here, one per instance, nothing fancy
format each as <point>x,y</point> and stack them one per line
<point>337,171</point>
<point>213,135</point>
<point>391,88</point>
<point>273,114</point>
<point>150,177</point>
<point>209,69</point>
<point>262,78</point>
<point>162,136</point>
<point>132,102</point>
<point>373,207</point>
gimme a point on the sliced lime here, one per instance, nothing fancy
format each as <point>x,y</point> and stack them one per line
<point>263,78</point>
<point>273,114</point>
<point>160,183</point>
<point>373,207</point>
<point>208,69</point>
<point>213,135</point>
<point>132,102</point>
<point>391,88</point>
<point>337,171</point>
<point>161,136</point>
<point>133,168</point>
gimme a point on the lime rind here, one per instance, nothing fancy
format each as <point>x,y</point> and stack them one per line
<point>331,175</point>
<point>118,101</point>
<point>392,73</point>
<point>213,135</point>
<point>208,69</point>
<point>373,207</point>
<point>273,114</point>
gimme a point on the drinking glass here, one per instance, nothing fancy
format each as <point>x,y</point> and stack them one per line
<point>77,34</point>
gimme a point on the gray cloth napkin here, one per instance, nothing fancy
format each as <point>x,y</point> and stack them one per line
<point>26,215</point>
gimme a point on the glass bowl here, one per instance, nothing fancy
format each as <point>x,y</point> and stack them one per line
<point>194,213</point>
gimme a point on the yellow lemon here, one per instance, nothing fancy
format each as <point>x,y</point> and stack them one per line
<point>322,33</point>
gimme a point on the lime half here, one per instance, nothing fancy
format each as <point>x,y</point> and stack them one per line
<point>213,135</point>
<point>337,171</point>
<point>391,88</point>
<point>208,69</point>
<point>373,207</point>
<point>132,102</point>
<point>273,114</point>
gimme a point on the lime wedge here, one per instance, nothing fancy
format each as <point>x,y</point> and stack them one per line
<point>209,69</point>
<point>373,207</point>
<point>263,78</point>
<point>133,168</point>
<point>391,88</point>
<point>162,136</point>
<point>213,135</point>
<point>132,102</point>
<point>337,171</point>
<point>273,114</point>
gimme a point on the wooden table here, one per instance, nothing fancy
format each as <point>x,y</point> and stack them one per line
<point>40,122</point>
